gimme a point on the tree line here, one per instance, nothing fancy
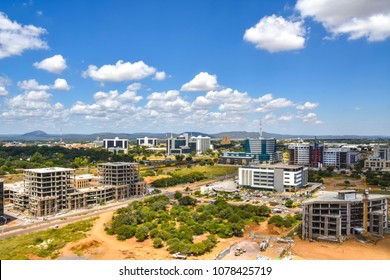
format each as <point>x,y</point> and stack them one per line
<point>13,158</point>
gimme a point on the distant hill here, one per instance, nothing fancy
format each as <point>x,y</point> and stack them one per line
<point>40,135</point>
<point>36,133</point>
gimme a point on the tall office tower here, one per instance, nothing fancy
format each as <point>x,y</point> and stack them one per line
<point>265,148</point>
<point>382,152</point>
<point>337,157</point>
<point>202,143</point>
<point>299,153</point>
<point>316,154</point>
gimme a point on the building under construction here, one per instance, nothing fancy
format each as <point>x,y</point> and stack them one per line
<point>47,191</point>
<point>123,177</point>
<point>1,198</point>
<point>332,216</point>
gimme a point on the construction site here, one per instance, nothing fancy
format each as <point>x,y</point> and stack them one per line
<point>333,216</point>
<point>48,191</point>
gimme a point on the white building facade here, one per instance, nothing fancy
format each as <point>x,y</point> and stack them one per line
<point>147,142</point>
<point>202,143</point>
<point>116,145</point>
<point>273,177</point>
<point>337,157</point>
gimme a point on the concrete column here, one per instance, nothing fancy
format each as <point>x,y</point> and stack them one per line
<point>348,219</point>
<point>326,226</point>
<point>310,225</point>
<point>338,227</point>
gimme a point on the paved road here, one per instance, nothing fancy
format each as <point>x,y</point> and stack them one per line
<point>67,218</point>
<point>72,217</point>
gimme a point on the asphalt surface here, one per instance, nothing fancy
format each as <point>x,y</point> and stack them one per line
<point>72,216</point>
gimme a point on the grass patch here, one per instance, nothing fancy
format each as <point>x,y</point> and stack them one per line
<point>208,171</point>
<point>44,244</point>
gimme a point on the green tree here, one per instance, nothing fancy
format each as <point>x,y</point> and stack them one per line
<point>179,158</point>
<point>288,203</point>
<point>158,242</point>
<point>141,233</point>
<point>187,200</point>
<point>178,195</point>
<point>37,157</point>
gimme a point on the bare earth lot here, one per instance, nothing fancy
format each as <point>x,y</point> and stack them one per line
<point>100,246</point>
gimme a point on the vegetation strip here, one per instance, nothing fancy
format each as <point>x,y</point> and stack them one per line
<point>176,226</point>
<point>43,244</point>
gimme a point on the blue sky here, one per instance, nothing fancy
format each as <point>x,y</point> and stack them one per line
<point>303,67</point>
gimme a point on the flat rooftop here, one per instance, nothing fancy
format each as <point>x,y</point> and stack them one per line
<point>50,169</point>
<point>332,196</point>
<point>118,163</point>
<point>86,176</point>
<point>284,166</point>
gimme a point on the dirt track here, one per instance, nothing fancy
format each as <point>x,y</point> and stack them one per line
<point>100,246</point>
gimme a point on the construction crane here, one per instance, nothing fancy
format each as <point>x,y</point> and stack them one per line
<point>365,209</point>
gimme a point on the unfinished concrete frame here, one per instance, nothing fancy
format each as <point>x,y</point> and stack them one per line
<point>47,189</point>
<point>331,220</point>
<point>123,177</point>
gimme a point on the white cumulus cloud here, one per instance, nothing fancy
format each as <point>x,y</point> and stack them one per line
<point>310,118</point>
<point>55,64</point>
<point>307,106</point>
<point>160,76</point>
<point>355,18</point>
<point>226,99</point>
<point>32,84</point>
<point>265,98</point>
<point>3,91</point>
<point>276,34</point>
<point>121,71</point>
<point>275,104</point>
<point>201,82</point>
<point>61,84</point>
<point>167,102</point>
<point>34,104</point>
<point>110,105</point>
<point>16,38</point>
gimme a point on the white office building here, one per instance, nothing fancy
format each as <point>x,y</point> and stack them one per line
<point>337,157</point>
<point>116,145</point>
<point>273,177</point>
<point>299,153</point>
<point>147,142</point>
<point>202,143</point>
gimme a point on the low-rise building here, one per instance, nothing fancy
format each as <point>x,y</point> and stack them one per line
<point>273,177</point>
<point>147,142</point>
<point>334,215</point>
<point>116,145</point>
<point>376,163</point>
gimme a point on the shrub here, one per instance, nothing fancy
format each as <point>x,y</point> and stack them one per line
<point>158,242</point>
<point>141,233</point>
<point>177,195</point>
